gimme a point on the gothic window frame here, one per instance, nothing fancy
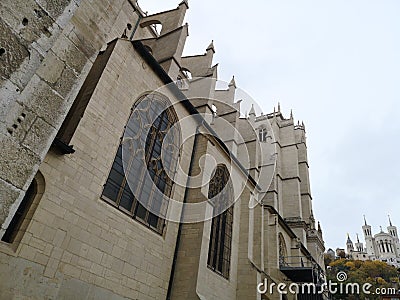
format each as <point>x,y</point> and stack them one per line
<point>220,244</point>
<point>123,198</point>
<point>283,254</point>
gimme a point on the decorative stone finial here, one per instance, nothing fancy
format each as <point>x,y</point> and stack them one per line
<point>233,82</point>
<point>185,2</point>
<point>252,111</point>
<point>211,47</point>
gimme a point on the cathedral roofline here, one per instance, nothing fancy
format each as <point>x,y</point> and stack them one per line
<point>382,233</point>
<point>163,75</point>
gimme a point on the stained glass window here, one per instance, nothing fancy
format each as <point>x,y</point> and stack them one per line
<point>140,182</point>
<point>219,251</point>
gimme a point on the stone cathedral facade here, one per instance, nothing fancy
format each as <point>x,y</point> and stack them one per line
<point>93,95</point>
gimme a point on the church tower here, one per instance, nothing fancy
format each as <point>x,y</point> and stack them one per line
<point>368,238</point>
<point>392,230</point>
<point>359,246</point>
<point>349,244</point>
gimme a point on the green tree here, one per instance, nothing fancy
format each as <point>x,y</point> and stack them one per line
<point>327,259</point>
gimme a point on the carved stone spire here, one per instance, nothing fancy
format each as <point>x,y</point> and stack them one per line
<point>233,82</point>
<point>349,241</point>
<point>185,2</point>
<point>211,47</point>
<point>252,111</point>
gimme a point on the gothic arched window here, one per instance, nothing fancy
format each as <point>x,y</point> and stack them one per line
<point>20,214</point>
<point>24,213</point>
<point>138,183</point>
<point>282,250</point>
<point>219,251</point>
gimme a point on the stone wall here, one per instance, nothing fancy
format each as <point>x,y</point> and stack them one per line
<point>76,243</point>
<point>46,50</point>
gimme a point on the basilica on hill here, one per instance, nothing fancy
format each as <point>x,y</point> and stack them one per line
<point>383,246</point>
<point>126,173</point>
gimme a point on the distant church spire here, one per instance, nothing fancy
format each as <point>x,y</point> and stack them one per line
<point>390,221</point>
<point>348,239</point>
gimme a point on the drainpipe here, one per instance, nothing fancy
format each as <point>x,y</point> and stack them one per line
<point>136,27</point>
<point>262,238</point>
<point>140,17</point>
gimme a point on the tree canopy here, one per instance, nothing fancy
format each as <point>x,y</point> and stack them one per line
<point>382,277</point>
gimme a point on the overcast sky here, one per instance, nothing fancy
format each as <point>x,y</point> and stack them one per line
<point>336,63</point>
